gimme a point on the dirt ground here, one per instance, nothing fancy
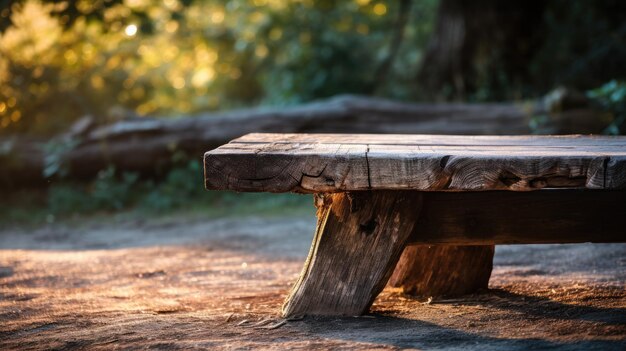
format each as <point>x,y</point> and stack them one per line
<point>182,283</point>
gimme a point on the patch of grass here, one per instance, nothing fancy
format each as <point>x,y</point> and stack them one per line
<point>23,206</point>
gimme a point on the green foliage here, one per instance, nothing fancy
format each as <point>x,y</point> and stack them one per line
<point>537,123</point>
<point>180,189</point>
<point>181,185</point>
<point>60,60</point>
<point>67,198</point>
<point>72,201</point>
<point>111,192</point>
<point>107,192</point>
<point>612,98</point>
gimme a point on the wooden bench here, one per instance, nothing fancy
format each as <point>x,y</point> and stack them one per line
<point>455,197</point>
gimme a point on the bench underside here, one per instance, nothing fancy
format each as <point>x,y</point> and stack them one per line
<point>505,217</point>
<point>361,236</point>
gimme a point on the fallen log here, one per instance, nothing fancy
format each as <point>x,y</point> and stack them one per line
<point>147,145</point>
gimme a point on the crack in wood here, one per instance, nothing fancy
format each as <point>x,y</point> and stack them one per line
<point>605,166</point>
<point>367,163</point>
<point>302,175</point>
<point>444,161</point>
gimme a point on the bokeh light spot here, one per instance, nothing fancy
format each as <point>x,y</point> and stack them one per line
<point>178,83</point>
<point>130,30</point>
<point>202,77</point>
<point>217,17</point>
<point>261,51</point>
<point>380,9</point>
<point>15,116</point>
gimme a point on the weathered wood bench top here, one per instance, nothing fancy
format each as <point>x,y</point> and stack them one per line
<point>348,162</point>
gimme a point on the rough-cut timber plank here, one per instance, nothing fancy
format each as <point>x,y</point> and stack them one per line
<point>443,270</point>
<point>557,141</point>
<point>349,162</point>
<point>505,217</point>
<point>358,240</point>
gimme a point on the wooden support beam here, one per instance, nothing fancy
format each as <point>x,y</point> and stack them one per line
<point>357,243</point>
<point>537,217</point>
<point>456,220</point>
<point>443,270</point>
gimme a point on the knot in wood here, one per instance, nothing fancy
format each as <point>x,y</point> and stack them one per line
<point>368,227</point>
<point>329,181</point>
<point>508,179</point>
<point>538,183</point>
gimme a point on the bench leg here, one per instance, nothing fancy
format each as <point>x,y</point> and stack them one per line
<point>443,270</point>
<point>358,241</point>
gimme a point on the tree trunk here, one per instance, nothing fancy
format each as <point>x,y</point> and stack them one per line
<point>484,44</point>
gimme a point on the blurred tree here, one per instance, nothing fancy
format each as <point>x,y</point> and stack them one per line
<point>480,47</point>
<point>60,60</point>
<point>496,50</point>
<point>584,44</point>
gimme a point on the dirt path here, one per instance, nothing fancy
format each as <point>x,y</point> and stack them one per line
<point>192,284</point>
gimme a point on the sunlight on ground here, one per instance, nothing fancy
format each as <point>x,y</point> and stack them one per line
<point>218,283</point>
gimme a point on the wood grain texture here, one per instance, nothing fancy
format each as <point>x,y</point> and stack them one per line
<point>506,217</point>
<point>443,270</point>
<point>349,162</point>
<point>358,240</point>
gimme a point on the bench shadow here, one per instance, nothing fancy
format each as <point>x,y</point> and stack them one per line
<point>403,333</point>
<point>386,330</point>
<point>543,307</point>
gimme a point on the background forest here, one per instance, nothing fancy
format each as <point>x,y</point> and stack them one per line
<point>60,60</point>
<point>124,59</point>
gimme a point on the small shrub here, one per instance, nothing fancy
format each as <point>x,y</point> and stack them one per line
<point>69,198</point>
<point>611,97</point>
<point>181,185</point>
<point>113,193</point>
